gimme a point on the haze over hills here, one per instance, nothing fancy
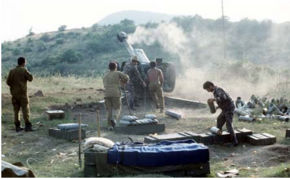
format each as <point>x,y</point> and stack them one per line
<point>139,17</point>
<point>190,40</point>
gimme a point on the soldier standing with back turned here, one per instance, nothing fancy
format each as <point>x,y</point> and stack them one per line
<point>112,81</point>
<point>17,81</point>
<point>226,104</point>
<point>155,79</point>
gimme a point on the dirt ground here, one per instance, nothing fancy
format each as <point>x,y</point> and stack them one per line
<point>243,157</point>
<point>50,157</point>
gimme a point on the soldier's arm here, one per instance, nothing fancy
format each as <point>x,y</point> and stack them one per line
<point>161,78</point>
<point>222,95</point>
<point>28,75</point>
<point>8,81</point>
<point>123,77</point>
<point>138,75</point>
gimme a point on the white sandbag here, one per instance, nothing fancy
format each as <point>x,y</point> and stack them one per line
<point>144,121</point>
<point>150,116</point>
<point>129,118</point>
<point>90,142</point>
<point>100,148</point>
<point>70,126</point>
<point>123,123</point>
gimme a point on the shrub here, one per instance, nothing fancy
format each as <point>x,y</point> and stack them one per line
<point>62,28</point>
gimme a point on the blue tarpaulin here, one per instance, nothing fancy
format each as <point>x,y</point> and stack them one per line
<point>160,154</point>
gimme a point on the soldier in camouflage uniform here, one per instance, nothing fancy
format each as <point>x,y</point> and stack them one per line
<point>226,104</point>
<point>17,81</point>
<point>135,78</point>
<point>112,81</point>
<point>155,79</point>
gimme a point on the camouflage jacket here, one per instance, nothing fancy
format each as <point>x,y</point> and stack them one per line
<point>133,73</point>
<point>112,82</point>
<point>223,100</point>
<point>17,81</point>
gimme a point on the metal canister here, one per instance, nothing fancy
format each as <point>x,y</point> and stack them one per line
<point>246,118</point>
<point>284,118</point>
<point>211,106</point>
<point>215,130</point>
<point>173,114</point>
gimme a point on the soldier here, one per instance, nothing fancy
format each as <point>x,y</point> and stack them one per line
<point>226,104</point>
<point>239,102</point>
<point>112,81</point>
<point>155,79</point>
<point>135,78</point>
<point>17,81</point>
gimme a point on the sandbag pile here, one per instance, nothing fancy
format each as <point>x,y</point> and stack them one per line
<point>98,144</point>
<point>128,120</point>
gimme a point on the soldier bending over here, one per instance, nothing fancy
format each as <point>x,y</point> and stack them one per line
<point>226,104</point>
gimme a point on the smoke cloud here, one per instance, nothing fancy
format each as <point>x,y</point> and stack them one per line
<point>201,56</point>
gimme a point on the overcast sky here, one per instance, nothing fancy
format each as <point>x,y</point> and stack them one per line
<point>18,16</point>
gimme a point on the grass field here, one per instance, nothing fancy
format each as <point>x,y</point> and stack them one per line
<point>50,157</point>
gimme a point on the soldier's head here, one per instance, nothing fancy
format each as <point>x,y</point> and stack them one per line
<point>158,61</point>
<point>239,98</point>
<point>21,61</point>
<point>134,60</point>
<point>112,66</point>
<point>208,86</point>
<point>152,64</point>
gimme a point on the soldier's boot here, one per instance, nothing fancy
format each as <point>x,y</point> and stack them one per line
<point>28,127</point>
<point>18,128</point>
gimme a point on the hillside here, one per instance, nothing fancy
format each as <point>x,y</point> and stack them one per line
<point>189,41</point>
<point>139,17</point>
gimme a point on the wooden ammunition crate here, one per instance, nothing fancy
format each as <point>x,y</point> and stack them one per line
<point>55,114</point>
<point>141,129</point>
<point>287,133</point>
<point>261,139</point>
<point>66,134</point>
<point>205,138</point>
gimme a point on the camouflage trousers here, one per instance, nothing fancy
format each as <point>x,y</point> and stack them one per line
<point>113,107</point>
<point>23,103</point>
<point>157,95</point>
<point>131,95</point>
<point>227,117</point>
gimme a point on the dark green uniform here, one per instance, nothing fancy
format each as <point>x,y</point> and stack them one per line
<point>17,81</point>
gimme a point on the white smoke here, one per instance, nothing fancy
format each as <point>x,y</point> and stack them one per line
<point>201,55</point>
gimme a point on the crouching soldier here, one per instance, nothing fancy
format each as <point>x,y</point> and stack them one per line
<point>226,104</point>
<point>112,81</point>
<point>17,81</point>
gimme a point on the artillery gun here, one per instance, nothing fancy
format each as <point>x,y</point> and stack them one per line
<point>168,69</point>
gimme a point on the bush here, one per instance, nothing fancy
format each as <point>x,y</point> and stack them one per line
<point>59,41</point>
<point>27,49</point>
<point>45,38</point>
<point>41,47</point>
<point>62,28</point>
<point>16,51</point>
<point>70,56</point>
